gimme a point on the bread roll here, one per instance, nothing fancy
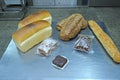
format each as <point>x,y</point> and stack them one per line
<point>30,35</point>
<point>40,15</point>
<point>71,26</point>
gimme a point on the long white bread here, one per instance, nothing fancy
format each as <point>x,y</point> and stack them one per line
<point>106,41</point>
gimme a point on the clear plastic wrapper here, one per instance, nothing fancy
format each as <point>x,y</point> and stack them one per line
<point>46,47</point>
<point>83,43</point>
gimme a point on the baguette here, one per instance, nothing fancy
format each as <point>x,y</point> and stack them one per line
<point>30,35</point>
<point>40,15</point>
<point>106,41</point>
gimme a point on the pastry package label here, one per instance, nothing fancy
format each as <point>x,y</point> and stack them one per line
<point>60,62</point>
<point>83,43</point>
<point>47,46</point>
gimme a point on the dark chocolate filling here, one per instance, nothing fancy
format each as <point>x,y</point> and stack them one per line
<point>59,61</point>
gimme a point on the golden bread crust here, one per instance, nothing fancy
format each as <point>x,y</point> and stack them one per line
<point>71,26</point>
<point>106,41</point>
<point>22,34</point>
<point>40,15</point>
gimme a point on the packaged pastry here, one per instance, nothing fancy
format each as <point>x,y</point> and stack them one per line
<point>60,62</point>
<point>47,46</point>
<point>83,43</point>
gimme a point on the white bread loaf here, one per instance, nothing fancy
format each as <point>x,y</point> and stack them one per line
<point>28,36</point>
<point>40,15</point>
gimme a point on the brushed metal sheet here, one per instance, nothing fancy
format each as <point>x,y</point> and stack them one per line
<point>15,65</point>
<point>65,2</point>
<point>54,2</point>
<point>43,2</point>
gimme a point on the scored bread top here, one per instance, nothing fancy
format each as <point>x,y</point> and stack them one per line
<point>23,33</point>
<point>70,27</point>
<point>105,40</point>
<point>40,15</point>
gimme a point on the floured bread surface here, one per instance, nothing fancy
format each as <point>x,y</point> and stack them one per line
<point>40,15</point>
<point>71,26</point>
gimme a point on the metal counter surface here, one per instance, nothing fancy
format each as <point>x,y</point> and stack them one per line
<point>14,65</point>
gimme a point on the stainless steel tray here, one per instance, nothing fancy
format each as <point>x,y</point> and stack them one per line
<point>14,65</point>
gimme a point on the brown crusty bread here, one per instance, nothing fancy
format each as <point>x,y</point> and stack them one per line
<point>106,41</point>
<point>40,15</point>
<point>30,35</point>
<point>71,26</point>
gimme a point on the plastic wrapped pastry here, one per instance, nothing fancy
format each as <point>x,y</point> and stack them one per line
<point>83,43</point>
<point>47,46</point>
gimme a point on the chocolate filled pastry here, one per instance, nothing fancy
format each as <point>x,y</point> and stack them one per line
<point>71,26</point>
<point>83,43</point>
<point>47,46</point>
<point>60,62</point>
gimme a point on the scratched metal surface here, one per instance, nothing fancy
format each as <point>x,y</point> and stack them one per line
<point>15,65</point>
